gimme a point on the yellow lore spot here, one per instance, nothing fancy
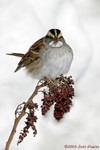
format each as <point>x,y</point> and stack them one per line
<point>59,35</point>
<point>51,35</point>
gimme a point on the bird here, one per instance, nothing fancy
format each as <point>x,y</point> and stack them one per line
<point>48,57</point>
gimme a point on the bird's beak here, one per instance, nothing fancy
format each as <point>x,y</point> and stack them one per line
<point>56,39</point>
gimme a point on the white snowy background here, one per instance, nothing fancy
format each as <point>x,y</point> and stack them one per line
<point>22,22</point>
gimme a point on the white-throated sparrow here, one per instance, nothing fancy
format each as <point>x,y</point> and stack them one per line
<point>49,57</point>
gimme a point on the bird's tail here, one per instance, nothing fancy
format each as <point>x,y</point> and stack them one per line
<point>16,54</point>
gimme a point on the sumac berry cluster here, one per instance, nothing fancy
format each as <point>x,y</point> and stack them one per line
<point>60,95</point>
<point>30,120</point>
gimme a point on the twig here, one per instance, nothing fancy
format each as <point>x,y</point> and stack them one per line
<point>60,94</point>
<point>22,114</point>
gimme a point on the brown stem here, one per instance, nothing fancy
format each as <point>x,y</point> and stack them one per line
<point>21,115</point>
<point>17,120</point>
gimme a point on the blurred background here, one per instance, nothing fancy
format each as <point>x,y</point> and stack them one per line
<point>22,22</point>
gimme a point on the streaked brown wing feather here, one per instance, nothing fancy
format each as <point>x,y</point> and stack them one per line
<point>37,45</point>
<point>32,55</point>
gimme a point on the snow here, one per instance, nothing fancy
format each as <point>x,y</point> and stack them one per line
<point>21,24</point>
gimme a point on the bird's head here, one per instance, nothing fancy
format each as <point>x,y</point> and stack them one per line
<point>54,38</point>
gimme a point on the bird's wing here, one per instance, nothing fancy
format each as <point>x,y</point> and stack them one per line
<point>31,56</point>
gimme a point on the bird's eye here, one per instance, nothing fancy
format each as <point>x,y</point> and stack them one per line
<point>59,35</point>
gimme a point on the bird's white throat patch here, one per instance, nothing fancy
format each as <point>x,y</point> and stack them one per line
<point>56,44</point>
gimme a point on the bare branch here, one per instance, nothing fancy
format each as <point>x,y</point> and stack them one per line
<point>60,94</point>
<point>22,114</point>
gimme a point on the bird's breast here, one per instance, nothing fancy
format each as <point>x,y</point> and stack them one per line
<point>56,61</point>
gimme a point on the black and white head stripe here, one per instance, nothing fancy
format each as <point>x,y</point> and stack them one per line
<point>55,32</point>
<point>52,33</point>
